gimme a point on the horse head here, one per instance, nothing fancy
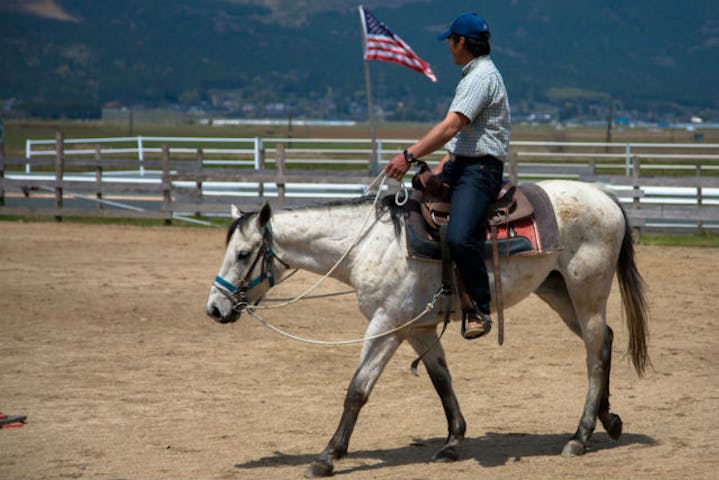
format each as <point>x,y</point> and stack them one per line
<point>248,269</point>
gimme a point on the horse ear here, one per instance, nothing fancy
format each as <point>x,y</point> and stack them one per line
<point>235,212</point>
<point>265,215</point>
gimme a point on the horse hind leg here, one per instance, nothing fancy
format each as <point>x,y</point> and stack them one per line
<point>610,421</point>
<point>425,343</point>
<point>598,344</point>
<point>597,337</point>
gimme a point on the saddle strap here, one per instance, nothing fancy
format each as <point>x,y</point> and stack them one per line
<point>497,284</point>
<point>447,289</point>
<point>447,278</point>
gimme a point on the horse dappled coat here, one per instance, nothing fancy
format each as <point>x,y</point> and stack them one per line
<point>391,289</point>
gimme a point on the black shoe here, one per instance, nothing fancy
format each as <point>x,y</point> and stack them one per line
<point>475,324</point>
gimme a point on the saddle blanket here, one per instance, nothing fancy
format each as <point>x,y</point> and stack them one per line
<point>534,235</point>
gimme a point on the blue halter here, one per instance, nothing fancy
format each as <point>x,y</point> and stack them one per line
<point>239,294</point>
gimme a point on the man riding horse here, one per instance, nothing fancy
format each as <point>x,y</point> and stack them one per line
<point>393,290</point>
<point>475,134</point>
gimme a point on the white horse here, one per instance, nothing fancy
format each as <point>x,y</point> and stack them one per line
<point>392,289</point>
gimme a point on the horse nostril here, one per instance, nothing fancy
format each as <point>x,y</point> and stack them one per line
<point>214,312</point>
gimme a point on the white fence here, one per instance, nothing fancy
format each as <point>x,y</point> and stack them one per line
<point>258,151</point>
<point>672,174</point>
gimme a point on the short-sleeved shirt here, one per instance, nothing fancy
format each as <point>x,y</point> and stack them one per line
<point>482,98</point>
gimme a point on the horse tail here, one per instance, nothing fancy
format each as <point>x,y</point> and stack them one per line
<point>632,287</point>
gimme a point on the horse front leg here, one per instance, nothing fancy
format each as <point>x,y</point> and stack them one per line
<point>424,342</point>
<point>375,355</point>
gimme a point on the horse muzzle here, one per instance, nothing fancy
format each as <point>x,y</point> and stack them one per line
<point>220,315</point>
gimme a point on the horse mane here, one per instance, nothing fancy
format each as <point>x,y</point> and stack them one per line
<point>386,204</point>
<point>332,203</point>
<point>389,204</point>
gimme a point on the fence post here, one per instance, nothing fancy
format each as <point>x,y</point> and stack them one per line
<point>98,175</point>
<point>2,172</point>
<point>700,199</point>
<point>635,181</point>
<point>280,162</point>
<point>59,171</point>
<point>166,185</point>
<point>260,164</point>
<point>513,161</point>
<point>376,166</point>
<point>28,154</point>
<point>141,155</point>
<point>198,184</point>
<point>628,158</point>
<point>259,153</point>
<point>636,171</point>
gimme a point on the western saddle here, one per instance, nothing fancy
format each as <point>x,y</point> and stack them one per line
<point>511,205</point>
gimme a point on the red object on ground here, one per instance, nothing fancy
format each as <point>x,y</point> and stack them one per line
<point>11,425</point>
<point>12,421</point>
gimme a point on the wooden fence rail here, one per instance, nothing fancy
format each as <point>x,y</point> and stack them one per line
<point>62,188</point>
<point>181,188</point>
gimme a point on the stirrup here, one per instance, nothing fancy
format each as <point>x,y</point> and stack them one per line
<point>482,325</point>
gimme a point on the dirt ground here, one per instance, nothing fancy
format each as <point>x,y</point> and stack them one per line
<point>106,348</point>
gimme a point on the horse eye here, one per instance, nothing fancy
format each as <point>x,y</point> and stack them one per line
<point>242,255</point>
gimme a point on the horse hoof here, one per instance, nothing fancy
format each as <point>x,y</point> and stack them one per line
<point>319,468</point>
<point>613,426</point>
<point>447,454</point>
<point>574,448</point>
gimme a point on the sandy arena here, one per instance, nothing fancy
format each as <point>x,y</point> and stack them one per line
<point>106,348</point>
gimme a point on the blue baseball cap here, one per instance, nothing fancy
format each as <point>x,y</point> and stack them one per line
<point>466,25</point>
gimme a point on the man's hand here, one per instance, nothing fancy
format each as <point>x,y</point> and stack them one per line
<point>439,167</point>
<point>397,167</point>
<point>431,141</point>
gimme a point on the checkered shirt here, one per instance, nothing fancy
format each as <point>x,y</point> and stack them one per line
<point>482,98</point>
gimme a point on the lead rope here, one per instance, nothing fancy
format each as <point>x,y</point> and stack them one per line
<point>308,297</point>
<point>381,178</point>
<point>443,290</point>
<point>430,305</point>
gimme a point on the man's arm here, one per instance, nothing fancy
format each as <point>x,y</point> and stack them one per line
<point>437,136</point>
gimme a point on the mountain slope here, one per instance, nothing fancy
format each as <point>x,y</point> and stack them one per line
<point>245,53</point>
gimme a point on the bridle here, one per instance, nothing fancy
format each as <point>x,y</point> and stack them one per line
<point>239,294</point>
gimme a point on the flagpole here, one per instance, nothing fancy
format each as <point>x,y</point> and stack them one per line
<point>374,161</point>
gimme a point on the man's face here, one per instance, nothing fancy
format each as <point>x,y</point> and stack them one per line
<point>456,49</point>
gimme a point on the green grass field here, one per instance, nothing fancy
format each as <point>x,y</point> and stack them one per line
<point>17,131</point>
<point>701,239</point>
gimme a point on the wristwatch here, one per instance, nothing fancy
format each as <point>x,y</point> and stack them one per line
<point>408,157</point>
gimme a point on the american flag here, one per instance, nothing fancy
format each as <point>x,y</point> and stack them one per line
<point>382,44</point>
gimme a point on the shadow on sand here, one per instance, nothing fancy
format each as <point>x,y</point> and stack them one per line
<point>490,450</point>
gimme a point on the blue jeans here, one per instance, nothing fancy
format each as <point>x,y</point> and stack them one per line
<point>474,184</point>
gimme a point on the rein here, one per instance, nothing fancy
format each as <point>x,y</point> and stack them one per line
<point>239,294</point>
<point>362,230</point>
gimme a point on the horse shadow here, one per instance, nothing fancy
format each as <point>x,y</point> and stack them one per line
<point>491,450</point>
